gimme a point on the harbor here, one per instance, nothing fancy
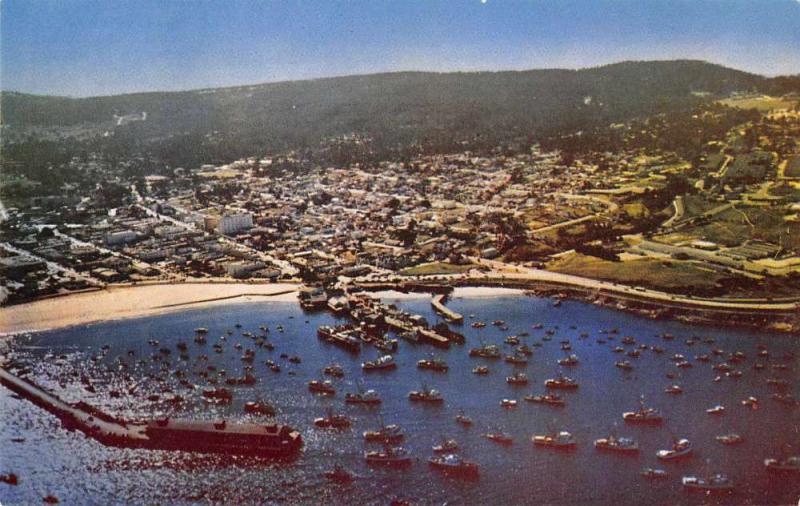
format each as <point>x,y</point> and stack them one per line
<point>111,366</point>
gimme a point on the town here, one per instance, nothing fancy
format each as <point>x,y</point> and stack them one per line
<point>724,225</point>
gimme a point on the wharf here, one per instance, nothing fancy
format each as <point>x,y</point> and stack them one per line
<point>438,305</point>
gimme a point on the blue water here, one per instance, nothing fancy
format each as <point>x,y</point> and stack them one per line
<point>78,470</point>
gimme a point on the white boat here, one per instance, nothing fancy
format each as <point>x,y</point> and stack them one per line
<point>714,483</point>
<point>680,448</point>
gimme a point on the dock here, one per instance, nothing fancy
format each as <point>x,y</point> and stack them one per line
<point>437,301</point>
<point>164,434</point>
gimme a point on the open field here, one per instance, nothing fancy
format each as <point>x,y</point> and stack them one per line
<point>640,272</point>
<point>761,103</point>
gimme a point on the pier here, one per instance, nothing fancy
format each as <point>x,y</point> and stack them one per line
<point>164,434</point>
<point>438,305</point>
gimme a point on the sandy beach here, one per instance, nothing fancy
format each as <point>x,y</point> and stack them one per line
<point>132,301</point>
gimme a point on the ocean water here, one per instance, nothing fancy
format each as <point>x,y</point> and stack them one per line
<point>78,470</point>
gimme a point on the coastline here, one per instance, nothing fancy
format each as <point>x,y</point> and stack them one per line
<point>122,302</point>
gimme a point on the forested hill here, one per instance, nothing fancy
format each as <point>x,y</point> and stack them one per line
<point>396,109</point>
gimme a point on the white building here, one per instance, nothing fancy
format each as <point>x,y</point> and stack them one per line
<point>233,223</point>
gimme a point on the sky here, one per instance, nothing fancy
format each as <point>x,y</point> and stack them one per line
<point>90,47</point>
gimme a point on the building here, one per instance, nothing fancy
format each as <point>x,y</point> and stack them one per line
<point>121,237</point>
<point>232,223</point>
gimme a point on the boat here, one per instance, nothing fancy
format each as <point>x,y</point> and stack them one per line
<point>341,335</point>
<point>446,446</point>
<point>363,397</point>
<point>481,369</point>
<point>716,410</point>
<point>571,360</point>
<point>623,364</point>
<point>453,464</point>
<point>259,408</point>
<point>615,444</point>
<point>485,351</point>
<point>751,402</point>
<point>681,448</point>
<point>716,483</point>
<point>513,340</point>
<point>517,359</point>
<point>387,434</point>
<point>390,455</point>
<point>643,415</point>
<point>221,395</point>
<point>524,349</point>
<point>674,389</point>
<point>730,439</point>
<point>561,382</point>
<point>551,399</point>
<point>518,378</point>
<point>339,475</point>
<point>426,395</point>
<point>463,419</point>
<point>502,438</point>
<point>433,364</point>
<point>321,387</point>
<point>508,403</point>
<point>789,465</point>
<point>384,363</point>
<point>200,339</point>
<point>332,421</point>
<point>561,440</point>
<point>201,330</point>
<point>334,370</point>
<point>478,325</point>
<point>653,473</point>
<point>338,305</point>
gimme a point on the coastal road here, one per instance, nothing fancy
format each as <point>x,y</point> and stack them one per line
<point>514,272</point>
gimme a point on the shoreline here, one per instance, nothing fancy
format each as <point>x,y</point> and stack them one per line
<point>118,302</point>
<point>124,302</point>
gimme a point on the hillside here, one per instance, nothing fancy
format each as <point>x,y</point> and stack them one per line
<point>397,109</point>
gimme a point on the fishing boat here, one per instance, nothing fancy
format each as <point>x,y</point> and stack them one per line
<point>332,421</point>
<point>716,410</point>
<point>502,438</point>
<point>259,408</point>
<point>730,439</point>
<point>508,403</point>
<point>716,483</point>
<point>383,363</point>
<point>390,455</point>
<point>454,464</point>
<point>433,364</point>
<point>674,389</point>
<point>321,387</point>
<point>643,415</point>
<point>561,440</point>
<point>612,443</point>
<point>789,465</point>
<point>446,446</point>
<point>551,399</point>
<point>339,475</point>
<point>485,351</point>
<point>363,397</point>
<point>481,369</point>
<point>426,395</point>
<point>518,378</point>
<point>387,434</point>
<point>623,364</point>
<point>334,370</point>
<point>561,382</point>
<point>653,473</point>
<point>571,360</point>
<point>463,419</point>
<point>681,448</point>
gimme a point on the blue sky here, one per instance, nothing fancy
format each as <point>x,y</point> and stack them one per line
<point>83,48</point>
